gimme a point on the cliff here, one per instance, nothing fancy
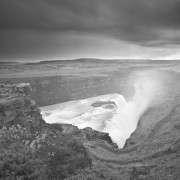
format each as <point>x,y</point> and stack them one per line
<point>33,149</point>
<point>62,88</point>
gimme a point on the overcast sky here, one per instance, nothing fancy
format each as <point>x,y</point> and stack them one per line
<point>67,29</point>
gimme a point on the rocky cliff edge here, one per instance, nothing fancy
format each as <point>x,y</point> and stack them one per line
<point>32,149</point>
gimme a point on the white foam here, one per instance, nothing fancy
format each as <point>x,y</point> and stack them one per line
<point>119,121</point>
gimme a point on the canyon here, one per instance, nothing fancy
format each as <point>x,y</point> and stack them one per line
<point>151,152</point>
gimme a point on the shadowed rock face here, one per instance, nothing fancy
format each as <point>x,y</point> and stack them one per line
<point>58,82</point>
<point>57,89</point>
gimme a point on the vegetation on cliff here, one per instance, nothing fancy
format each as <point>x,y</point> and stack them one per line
<point>39,156</point>
<point>30,148</point>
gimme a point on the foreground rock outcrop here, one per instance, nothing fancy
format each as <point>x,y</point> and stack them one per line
<point>33,149</point>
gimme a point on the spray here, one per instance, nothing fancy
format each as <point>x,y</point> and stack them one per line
<point>119,121</point>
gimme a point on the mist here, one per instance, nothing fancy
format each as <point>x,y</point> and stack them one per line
<point>110,113</point>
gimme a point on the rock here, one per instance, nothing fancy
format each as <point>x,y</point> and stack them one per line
<point>141,170</point>
<point>176,146</point>
<point>23,88</point>
<point>16,107</point>
<point>142,177</point>
<point>92,135</point>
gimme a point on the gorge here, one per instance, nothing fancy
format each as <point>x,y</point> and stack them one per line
<point>120,119</point>
<point>140,97</point>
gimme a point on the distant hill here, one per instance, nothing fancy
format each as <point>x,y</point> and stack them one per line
<point>93,60</point>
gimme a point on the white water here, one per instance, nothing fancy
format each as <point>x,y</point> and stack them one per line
<point>119,119</point>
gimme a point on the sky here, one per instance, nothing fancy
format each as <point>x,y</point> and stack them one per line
<point>33,30</point>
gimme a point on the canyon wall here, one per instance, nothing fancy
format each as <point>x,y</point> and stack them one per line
<point>56,89</point>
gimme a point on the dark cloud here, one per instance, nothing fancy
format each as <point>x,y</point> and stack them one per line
<point>143,22</point>
<point>137,18</point>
